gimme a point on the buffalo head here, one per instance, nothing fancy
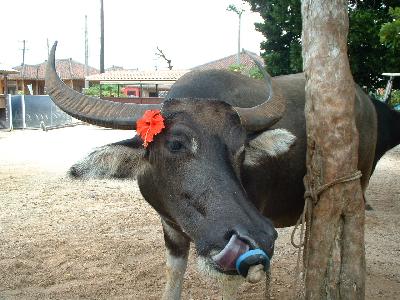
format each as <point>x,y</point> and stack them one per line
<point>190,174</point>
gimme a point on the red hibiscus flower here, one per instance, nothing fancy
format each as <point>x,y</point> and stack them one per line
<point>149,125</point>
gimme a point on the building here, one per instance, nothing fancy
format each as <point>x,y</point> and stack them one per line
<point>30,79</point>
<point>155,83</point>
<point>5,72</point>
<point>136,83</point>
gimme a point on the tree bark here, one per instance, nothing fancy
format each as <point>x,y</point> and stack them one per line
<point>335,264</point>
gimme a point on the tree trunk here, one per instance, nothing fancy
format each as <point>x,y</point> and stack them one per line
<point>335,264</point>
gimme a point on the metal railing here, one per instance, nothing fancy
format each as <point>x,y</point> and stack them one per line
<point>33,112</point>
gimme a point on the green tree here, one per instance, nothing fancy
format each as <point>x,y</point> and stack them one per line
<point>368,56</point>
<point>282,30</point>
<point>107,90</point>
<point>390,32</point>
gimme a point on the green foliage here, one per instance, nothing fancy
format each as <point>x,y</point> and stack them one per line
<point>366,53</point>
<point>368,57</point>
<point>237,68</point>
<point>256,73</point>
<point>233,8</point>
<point>390,32</point>
<point>379,94</point>
<point>253,72</point>
<point>107,90</point>
<point>282,30</point>
<point>395,98</point>
<point>94,90</point>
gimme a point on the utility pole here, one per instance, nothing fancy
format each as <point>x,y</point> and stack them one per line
<point>101,37</point>
<point>48,47</point>
<point>86,54</point>
<point>23,66</point>
<point>24,49</point>
<point>239,12</point>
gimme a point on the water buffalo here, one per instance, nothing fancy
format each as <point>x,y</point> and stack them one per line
<point>227,168</point>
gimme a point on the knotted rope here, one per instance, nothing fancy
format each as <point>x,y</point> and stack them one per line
<point>311,197</point>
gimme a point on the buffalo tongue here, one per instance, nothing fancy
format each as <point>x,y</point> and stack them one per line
<point>226,259</point>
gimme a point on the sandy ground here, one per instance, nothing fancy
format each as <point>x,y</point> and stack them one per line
<point>63,239</point>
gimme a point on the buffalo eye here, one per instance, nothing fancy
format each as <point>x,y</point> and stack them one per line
<point>175,146</point>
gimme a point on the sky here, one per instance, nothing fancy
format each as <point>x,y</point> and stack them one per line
<point>190,32</point>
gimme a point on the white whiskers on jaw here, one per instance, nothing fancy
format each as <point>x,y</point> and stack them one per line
<point>206,267</point>
<point>229,283</point>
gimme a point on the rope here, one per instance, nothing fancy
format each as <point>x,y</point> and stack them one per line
<point>314,194</point>
<point>311,197</point>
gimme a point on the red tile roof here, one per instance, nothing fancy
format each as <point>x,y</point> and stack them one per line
<point>66,68</point>
<point>173,75</point>
<point>7,70</point>
<point>226,62</point>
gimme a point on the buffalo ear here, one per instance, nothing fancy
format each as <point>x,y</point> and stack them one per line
<point>120,160</point>
<point>270,143</point>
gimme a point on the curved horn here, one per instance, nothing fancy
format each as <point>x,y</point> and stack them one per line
<point>92,110</point>
<point>265,115</point>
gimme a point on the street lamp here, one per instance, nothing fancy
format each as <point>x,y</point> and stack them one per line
<point>239,12</point>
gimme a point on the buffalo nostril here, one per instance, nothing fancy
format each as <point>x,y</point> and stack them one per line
<point>267,239</point>
<point>243,234</point>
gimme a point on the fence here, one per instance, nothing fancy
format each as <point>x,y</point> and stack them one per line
<point>137,100</point>
<point>24,111</point>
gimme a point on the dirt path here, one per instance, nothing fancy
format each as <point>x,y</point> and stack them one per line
<point>63,239</point>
